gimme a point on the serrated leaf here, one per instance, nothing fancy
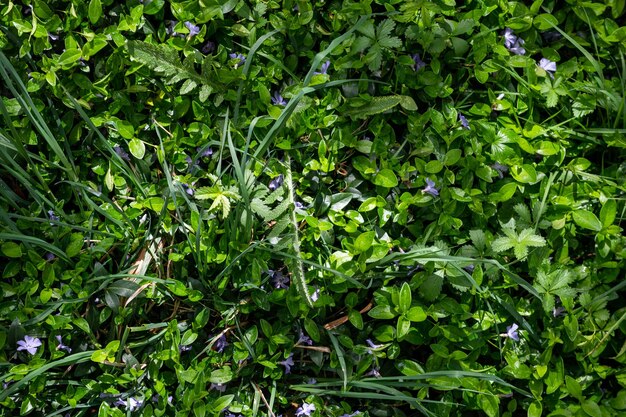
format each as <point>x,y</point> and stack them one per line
<point>431,287</point>
<point>501,244</point>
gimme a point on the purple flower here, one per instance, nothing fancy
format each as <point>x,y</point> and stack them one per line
<point>305,410</point>
<point>279,280</point>
<point>169,29</point>
<point>464,121</point>
<point>218,387</point>
<point>61,346</point>
<point>430,188</point>
<point>121,153</point>
<point>184,348</point>
<point>132,403</point>
<point>509,37</point>
<point>351,415</point>
<point>311,381</point>
<point>374,372</point>
<point>276,182</point>
<point>241,59</point>
<point>193,29</point>
<point>469,268</point>
<point>372,345</point>
<point>518,48</point>
<point>558,311</point>
<point>53,37</point>
<point>304,340</point>
<point>324,68</point>
<point>288,363</point>
<point>299,205</point>
<point>502,169</point>
<point>511,332</point>
<point>49,256</point>
<point>278,100</point>
<point>417,62</point>
<point>52,216</point>
<point>221,344</point>
<point>189,189</point>
<point>316,295</point>
<point>206,152</point>
<point>548,66</point>
<point>208,47</point>
<point>29,344</point>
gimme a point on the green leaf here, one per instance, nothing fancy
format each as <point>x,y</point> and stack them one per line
<point>608,212</point>
<point>222,402</point>
<point>574,388</point>
<point>545,21</point>
<point>376,106</point>
<point>95,11</point>
<point>11,250</point>
<point>416,314</point>
<point>386,178</point>
<point>404,302</point>
<point>137,148</point>
<point>431,287</point>
<point>403,327</point>
<point>587,220</point>
<point>592,408</point>
<point>381,312</point>
<point>364,241</point>
<point>535,409</point>
<point>69,57</point>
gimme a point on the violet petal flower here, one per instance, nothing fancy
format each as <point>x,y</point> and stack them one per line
<point>417,62</point>
<point>558,311</point>
<point>189,188</point>
<point>132,403</point>
<point>240,57</point>
<point>278,100</point>
<point>61,346</point>
<point>193,29</point>
<point>316,295</point>
<point>509,38</point>
<point>206,152</point>
<point>375,372</point>
<point>49,256</point>
<point>52,216</point>
<point>121,152</point>
<point>430,188</point>
<point>324,68</point>
<point>279,280</point>
<point>276,182</point>
<point>288,363</point>
<point>548,66</point>
<point>208,47</point>
<point>305,410</point>
<point>29,344</point>
<point>304,340</point>
<point>518,48</point>
<point>502,169</point>
<point>464,122</point>
<point>511,332</point>
<point>218,387</point>
<point>221,344</point>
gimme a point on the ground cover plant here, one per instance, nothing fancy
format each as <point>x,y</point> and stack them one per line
<point>329,208</point>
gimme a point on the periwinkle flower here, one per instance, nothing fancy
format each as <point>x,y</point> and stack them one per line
<point>193,29</point>
<point>501,169</point>
<point>304,340</point>
<point>132,403</point>
<point>558,311</point>
<point>276,182</point>
<point>288,363</point>
<point>511,332</point>
<point>208,47</point>
<point>189,188</point>
<point>464,122</point>
<point>372,345</point>
<point>206,152</point>
<point>279,280</point>
<point>548,66</point>
<point>469,268</point>
<point>316,295</point>
<point>299,205</point>
<point>513,43</point>
<point>375,372</point>
<point>49,256</point>
<point>324,68</point>
<point>278,100</point>
<point>417,62</point>
<point>311,381</point>
<point>169,28</point>
<point>305,410</point>
<point>184,348</point>
<point>241,59</point>
<point>121,153</point>
<point>52,216</point>
<point>221,344</point>
<point>430,188</point>
<point>29,344</point>
<point>218,387</point>
<point>61,346</point>
<point>53,37</point>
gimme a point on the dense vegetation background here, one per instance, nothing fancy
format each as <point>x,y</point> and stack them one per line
<point>329,208</point>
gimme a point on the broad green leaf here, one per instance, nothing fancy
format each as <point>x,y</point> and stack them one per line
<point>405,298</point>
<point>608,212</point>
<point>11,250</point>
<point>587,220</point>
<point>95,11</point>
<point>69,57</point>
<point>416,314</point>
<point>386,178</point>
<point>364,241</point>
<point>535,409</point>
<point>137,148</point>
<point>381,312</point>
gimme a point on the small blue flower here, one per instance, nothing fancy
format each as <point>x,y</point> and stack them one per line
<point>548,66</point>
<point>288,363</point>
<point>276,183</point>
<point>279,280</point>
<point>206,152</point>
<point>132,403</point>
<point>241,59</point>
<point>324,68</point>
<point>316,295</point>
<point>558,311</point>
<point>53,217</point>
<point>61,346</point>
<point>29,344</point>
<point>417,62</point>
<point>375,372</point>
<point>184,348</point>
<point>464,122</point>
<point>501,169</point>
<point>304,340</point>
<point>221,344</point>
<point>49,256</point>
<point>208,47</point>
<point>189,188</point>
<point>511,332</point>
<point>513,43</point>
<point>121,153</point>
<point>218,387</point>
<point>305,410</point>
<point>278,100</point>
<point>193,29</point>
<point>430,188</point>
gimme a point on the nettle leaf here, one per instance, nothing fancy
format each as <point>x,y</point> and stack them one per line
<point>383,35</point>
<point>551,285</point>
<point>165,60</point>
<point>519,242</point>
